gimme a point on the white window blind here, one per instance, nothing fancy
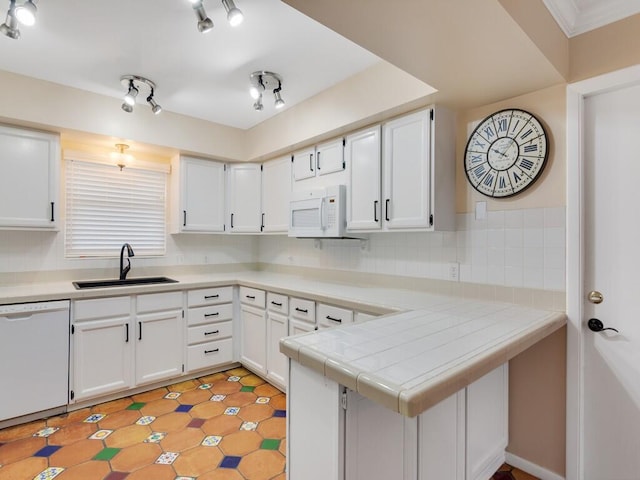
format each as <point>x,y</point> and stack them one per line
<point>107,207</point>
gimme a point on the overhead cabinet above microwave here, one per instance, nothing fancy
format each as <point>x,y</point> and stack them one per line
<point>322,159</point>
<point>401,174</point>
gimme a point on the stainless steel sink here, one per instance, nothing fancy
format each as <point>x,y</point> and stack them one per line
<point>122,283</point>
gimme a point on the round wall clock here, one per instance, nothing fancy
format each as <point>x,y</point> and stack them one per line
<point>506,153</point>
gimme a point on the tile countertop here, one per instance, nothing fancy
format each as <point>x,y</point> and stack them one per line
<point>425,348</point>
<point>410,361</point>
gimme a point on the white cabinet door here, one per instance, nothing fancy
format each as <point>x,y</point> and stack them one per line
<point>29,180</point>
<point>276,192</point>
<point>487,423</point>
<point>362,156</point>
<point>159,346</point>
<point>277,328</point>
<point>379,443</point>
<point>245,195</point>
<point>102,361</point>
<point>330,157</point>
<point>201,194</point>
<point>298,326</point>
<point>304,165</point>
<point>407,171</point>
<point>253,352</point>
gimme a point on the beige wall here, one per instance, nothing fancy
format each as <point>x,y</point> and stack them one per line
<point>549,105</point>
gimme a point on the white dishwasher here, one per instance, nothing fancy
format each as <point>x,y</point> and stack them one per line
<point>34,357</point>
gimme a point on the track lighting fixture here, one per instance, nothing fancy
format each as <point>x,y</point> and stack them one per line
<point>134,85</point>
<point>205,24</point>
<point>262,81</point>
<point>10,26</point>
<point>26,12</point>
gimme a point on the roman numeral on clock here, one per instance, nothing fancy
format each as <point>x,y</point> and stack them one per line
<point>530,148</point>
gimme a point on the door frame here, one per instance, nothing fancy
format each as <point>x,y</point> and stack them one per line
<point>576,94</point>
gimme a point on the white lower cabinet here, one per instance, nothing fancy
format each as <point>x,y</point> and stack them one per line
<point>277,328</point>
<point>461,438</point>
<point>253,325</point>
<point>209,327</point>
<point>117,345</point>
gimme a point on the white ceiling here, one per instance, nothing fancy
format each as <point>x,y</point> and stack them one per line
<point>580,16</point>
<point>89,44</point>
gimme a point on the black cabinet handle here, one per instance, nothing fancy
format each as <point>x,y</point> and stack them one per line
<point>318,160</point>
<point>262,223</point>
<point>251,297</point>
<point>386,209</point>
<point>339,320</point>
<point>276,304</point>
<point>303,310</point>
<point>52,215</point>
<point>209,297</point>
<point>375,210</point>
<point>184,218</point>
<point>211,351</point>
<point>232,220</point>
<point>126,329</point>
<point>215,332</point>
<point>206,315</point>
<point>311,162</point>
<point>139,330</point>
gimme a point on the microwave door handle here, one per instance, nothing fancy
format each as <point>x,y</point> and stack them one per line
<point>322,222</point>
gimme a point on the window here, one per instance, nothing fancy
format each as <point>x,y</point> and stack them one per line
<point>107,207</point>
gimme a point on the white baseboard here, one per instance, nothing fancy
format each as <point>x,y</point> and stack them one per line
<point>532,468</point>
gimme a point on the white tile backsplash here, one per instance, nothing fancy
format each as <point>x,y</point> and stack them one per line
<point>516,248</point>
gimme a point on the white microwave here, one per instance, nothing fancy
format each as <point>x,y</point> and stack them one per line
<point>318,213</point>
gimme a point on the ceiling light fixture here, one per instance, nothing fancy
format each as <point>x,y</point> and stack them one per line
<point>234,14</point>
<point>262,81</point>
<point>204,22</point>
<point>10,26</point>
<point>135,84</point>
<point>121,158</point>
<point>26,13</point>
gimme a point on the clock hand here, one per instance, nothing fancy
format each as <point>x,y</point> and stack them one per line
<point>498,152</point>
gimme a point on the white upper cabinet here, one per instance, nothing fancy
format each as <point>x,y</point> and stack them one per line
<point>312,167</point>
<point>198,193</point>
<point>244,197</point>
<point>29,180</point>
<point>362,156</point>
<point>276,190</point>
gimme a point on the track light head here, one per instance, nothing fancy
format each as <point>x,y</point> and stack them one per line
<point>10,27</point>
<point>130,97</point>
<point>234,14</point>
<point>204,22</point>
<point>26,13</point>
<point>279,102</point>
<point>127,108</point>
<point>258,104</point>
<point>155,108</point>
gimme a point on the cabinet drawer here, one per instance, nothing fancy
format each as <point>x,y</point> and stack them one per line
<point>209,296</point>
<point>101,308</point>
<point>330,316</point>
<point>214,313</point>
<point>278,303</point>
<point>252,296</point>
<point>209,332</point>
<point>303,309</point>
<point>209,354</point>
<point>155,302</point>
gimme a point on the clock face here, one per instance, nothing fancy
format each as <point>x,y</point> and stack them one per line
<point>506,153</point>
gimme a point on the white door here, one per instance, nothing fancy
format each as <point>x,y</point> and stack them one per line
<point>304,165</point>
<point>159,347</point>
<point>362,155</point>
<point>330,157</point>
<point>276,191</point>
<point>277,328</point>
<point>253,351</point>
<point>611,361</point>
<point>245,196</point>
<point>407,171</point>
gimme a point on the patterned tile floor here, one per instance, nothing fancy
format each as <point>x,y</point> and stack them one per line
<point>226,426</point>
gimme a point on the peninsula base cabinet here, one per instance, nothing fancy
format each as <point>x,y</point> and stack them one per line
<point>461,438</point>
<point>253,328</point>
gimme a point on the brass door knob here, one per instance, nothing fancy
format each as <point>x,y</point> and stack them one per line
<point>595,297</point>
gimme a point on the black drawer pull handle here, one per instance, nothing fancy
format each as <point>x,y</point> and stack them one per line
<point>211,351</point>
<point>339,320</point>
<point>276,304</point>
<point>251,297</point>
<point>303,310</point>
<point>209,297</point>
<point>215,332</point>
<point>206,315</point>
